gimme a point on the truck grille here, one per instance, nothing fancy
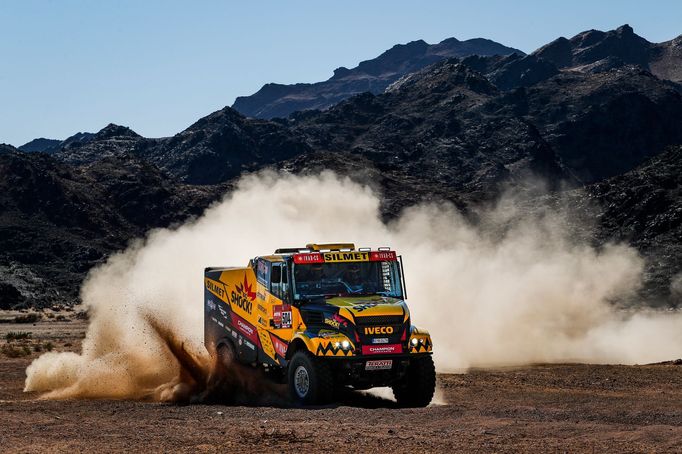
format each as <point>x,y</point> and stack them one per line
<point>378,320</point>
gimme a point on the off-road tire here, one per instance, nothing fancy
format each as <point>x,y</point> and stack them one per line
<point>319,376</point>
<point>417,387</point>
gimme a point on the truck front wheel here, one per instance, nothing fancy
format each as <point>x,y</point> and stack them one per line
<point>417,387</point>
<point>310,379</point>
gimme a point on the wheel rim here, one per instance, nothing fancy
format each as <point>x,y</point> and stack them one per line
<point>301,381</point>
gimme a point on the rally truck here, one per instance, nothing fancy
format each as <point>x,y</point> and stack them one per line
<point>321,318</point>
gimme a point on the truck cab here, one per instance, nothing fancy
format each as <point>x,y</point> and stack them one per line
<point>321,317</point>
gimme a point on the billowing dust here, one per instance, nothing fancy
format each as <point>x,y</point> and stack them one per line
<point>489,295</point>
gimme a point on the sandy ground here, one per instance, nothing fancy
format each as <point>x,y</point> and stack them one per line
<point>548,408</point>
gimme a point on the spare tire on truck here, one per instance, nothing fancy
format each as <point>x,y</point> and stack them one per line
<point>416,388</point>
<point>310,380</point>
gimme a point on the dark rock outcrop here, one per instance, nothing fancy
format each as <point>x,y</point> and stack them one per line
<point>449,122</point>
<point>113,140</point>
<point>221,146</point>
<point>58,221</point>
<point>42,145</point>
<point>51,146</point>
<point>644,208</point>
<point>515,72</point>
<point>622,45</point>
<point>431,126</point>
<point>600,124</point>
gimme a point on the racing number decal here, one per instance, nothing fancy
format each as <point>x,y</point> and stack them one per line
<point>281,316</point>
<point>286,319</point>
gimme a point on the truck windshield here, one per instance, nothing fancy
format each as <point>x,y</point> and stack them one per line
<point>346,279</point>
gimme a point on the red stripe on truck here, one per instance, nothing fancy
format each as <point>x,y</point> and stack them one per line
<point>387,349</point>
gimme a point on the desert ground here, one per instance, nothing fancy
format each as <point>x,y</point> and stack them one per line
<point>539,408</point>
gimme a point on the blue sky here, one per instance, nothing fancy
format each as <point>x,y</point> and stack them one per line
<point>157,66</point>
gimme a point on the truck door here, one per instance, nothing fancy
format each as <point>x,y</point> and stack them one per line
<point>279,288</point>
<point>274,316</point>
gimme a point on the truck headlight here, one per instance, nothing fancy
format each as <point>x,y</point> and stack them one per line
<point>414,341</point>
<point>343,344</point>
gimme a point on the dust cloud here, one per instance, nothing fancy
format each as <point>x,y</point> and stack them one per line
<point>491,293</point>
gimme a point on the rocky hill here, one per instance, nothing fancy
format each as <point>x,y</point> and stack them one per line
<point>452,124</point>
<point>507,68</point>
<point>220,146</point>
<point>41,145</point>
<point>59,220</point>
<point>644,208</point>
<point>278,100</point>
<point>615,48</point>
<point>53,145</point>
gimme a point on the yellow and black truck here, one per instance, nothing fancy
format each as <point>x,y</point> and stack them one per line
<point>319,318</point>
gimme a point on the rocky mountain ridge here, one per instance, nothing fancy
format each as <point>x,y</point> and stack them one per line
<point>506,68</point>
<point>54,145</point>
<point>278,100</point>
<point>616,47</point>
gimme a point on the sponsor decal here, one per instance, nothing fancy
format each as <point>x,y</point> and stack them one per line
<point>379,364</point>
<point>250,345</point>
<point>262,266</point>
<point>262,309</point>
<point>281,315</point>
<point>383,256</point>
<point>260,296</point>
<point>331,322</point>
<point>210,304</point>
<point>364,306</point>
<point>243,296</point>
<point>217,288</point>
<point>286,319</point>
<point>244,327</point>
<point>372,330</point>
<point>314,257</point>
<point>333,257</point>
<point>336,321</point>
<point>280,346</point>
<point>350,256</point>
<point>381,349</point>
<point>380,340</point>
<point>263,272</point>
